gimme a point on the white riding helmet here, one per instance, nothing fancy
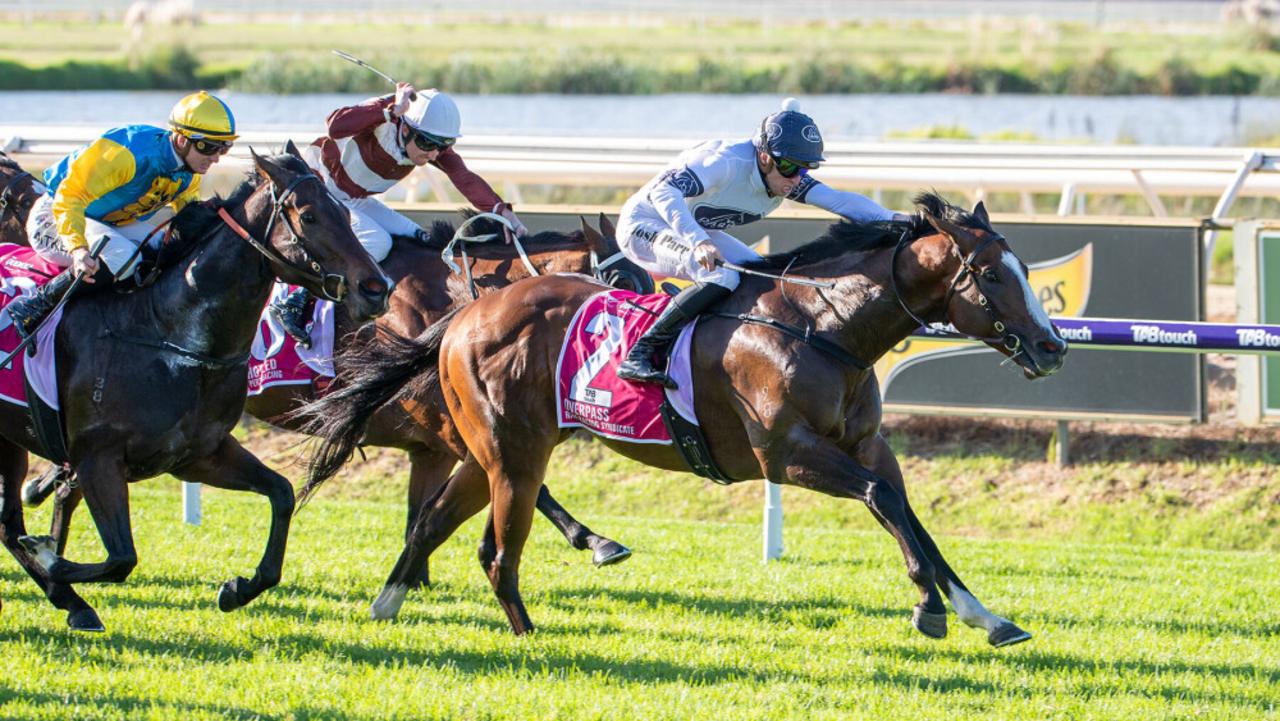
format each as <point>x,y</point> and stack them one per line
<point>434,113</point>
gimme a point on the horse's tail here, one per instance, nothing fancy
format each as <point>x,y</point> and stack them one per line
<point>372,376</point>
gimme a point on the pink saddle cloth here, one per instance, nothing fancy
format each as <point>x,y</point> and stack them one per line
<point>275,358</point>
<point>21,272</point>
<point>590,394</point>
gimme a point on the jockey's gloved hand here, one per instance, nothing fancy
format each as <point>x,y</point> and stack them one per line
<point>422,237</point>
<point>516,226</point>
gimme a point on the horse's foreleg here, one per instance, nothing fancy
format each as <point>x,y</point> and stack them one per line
<point>465,495</point>
<point>877,456</point>
<point>605,551</point>
<point>233,468</point>
<point>13,467</point>
<point>812,461</point>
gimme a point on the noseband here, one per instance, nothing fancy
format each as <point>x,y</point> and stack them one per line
<point>315,271</point>
<point>968,270</point>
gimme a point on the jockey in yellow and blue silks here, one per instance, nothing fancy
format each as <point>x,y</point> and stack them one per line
<point>112,191</point>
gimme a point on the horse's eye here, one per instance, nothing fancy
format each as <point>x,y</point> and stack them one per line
<point>990,275</point>
<point>308,217</point>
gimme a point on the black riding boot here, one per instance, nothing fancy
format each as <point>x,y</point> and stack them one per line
<point>639,364</point>
<point>29,311</point>
<point>292,314</point>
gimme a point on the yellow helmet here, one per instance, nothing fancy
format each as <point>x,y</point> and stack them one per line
<point>201,115</point>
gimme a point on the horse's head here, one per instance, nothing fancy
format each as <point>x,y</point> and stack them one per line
<point>310,234</point>
<point>18,192</point>
<point>987,293</point>
<point>608,264</point>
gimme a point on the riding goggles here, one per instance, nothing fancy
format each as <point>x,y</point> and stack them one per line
<point>204,146</point>
<point>790,168</point>
<point>427,142</point>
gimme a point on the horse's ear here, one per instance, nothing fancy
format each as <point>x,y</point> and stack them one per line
<point>980,214</point>
<point>269,170</point>
<point>292,149</point>
<point>591,235</point>
<point>607,228</point>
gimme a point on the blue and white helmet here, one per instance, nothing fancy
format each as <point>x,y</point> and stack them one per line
<point>792,135</point>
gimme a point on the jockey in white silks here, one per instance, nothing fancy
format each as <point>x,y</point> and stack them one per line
<point>675,225</point>
<point>372,146</point>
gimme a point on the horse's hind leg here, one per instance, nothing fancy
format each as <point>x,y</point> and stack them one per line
<point>428,472</point>
<point>1000,631</point>
<point>605,551</point>
<point>465,495</point>
<point>13,467</point>
<point>234,468</point>
<point>514,489</point>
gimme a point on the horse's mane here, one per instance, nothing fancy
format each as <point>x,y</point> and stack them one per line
<point>192,225</point>
<point>441,232</point>
<point>847,236</point>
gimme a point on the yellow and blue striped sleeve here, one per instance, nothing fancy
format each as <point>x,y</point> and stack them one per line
<point>190,195</point>
<point>101,168</point>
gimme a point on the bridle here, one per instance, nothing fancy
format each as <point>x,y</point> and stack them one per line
<point>968,270</point>
<point>6,193</point>
<point>314,272</point>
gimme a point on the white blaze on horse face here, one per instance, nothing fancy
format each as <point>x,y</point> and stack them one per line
<point>1034,307</point>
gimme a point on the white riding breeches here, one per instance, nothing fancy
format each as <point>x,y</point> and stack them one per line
<point>656,248</point>
<point>121,251</point>
<point>374,224</point>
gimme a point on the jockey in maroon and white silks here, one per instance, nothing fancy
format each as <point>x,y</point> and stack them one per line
<point>372,146</point>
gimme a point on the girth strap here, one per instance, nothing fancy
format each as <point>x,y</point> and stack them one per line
<point>164,345</point>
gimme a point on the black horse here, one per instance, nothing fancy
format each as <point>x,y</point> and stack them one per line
<point>153,381</point>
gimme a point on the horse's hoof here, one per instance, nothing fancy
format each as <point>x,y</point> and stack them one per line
<point>610,553</point>
<point>229,596</point>
<point>933,625</point>
<point>85,619</point>
<point>1007,634</point>
<point>387,605</point>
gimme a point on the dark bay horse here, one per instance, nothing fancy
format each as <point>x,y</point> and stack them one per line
<point>426,289</point>
<point>153,381</point>
<point>19,190</point>
<point>772,404</point>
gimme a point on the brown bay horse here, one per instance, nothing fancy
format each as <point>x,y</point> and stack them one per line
<point>794,407</point>
<point>153,381</point>
<point>426,289</point>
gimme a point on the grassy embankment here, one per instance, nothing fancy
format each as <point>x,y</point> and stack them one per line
<point>1026,57</point>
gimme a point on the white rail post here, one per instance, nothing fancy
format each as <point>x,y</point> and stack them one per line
<point>772,521</point>
<point>191,503</point>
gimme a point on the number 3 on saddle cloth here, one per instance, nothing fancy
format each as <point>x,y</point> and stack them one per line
<point>275,358</point>
<point>590,394</point>
<point>33,377</point>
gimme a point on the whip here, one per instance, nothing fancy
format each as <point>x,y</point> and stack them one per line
<point>353,59</point>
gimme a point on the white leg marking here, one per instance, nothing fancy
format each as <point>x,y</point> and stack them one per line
<point>971,611</point>
<point>388,603</point>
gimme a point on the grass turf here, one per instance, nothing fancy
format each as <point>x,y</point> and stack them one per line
<point>693,626</point>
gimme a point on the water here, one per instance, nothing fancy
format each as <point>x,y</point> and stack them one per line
<point>1146,120</point>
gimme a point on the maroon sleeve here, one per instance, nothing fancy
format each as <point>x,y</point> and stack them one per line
<point>472,186</point>
<point>346,122</point>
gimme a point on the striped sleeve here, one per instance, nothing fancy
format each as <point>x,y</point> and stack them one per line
<point>99,169</point>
